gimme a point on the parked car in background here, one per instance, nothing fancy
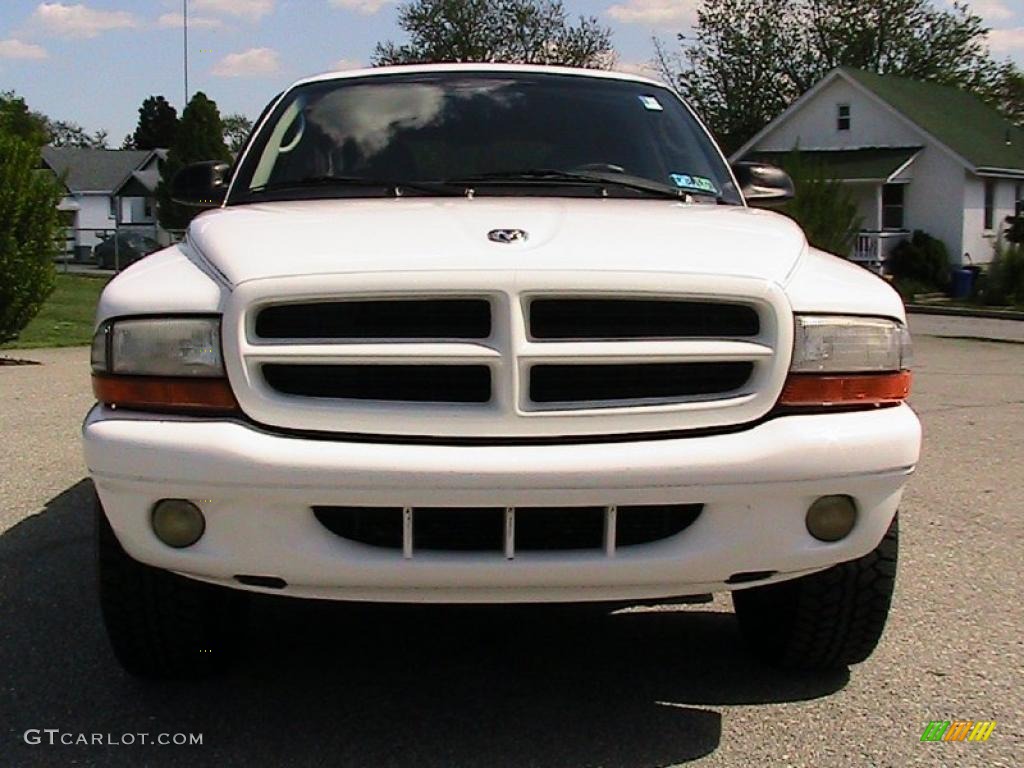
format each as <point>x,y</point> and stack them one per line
<point>125,248</point>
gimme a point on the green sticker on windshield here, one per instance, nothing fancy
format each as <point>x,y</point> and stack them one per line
<point>697,183</point>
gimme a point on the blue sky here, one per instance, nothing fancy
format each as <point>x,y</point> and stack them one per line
<point>94,61</point>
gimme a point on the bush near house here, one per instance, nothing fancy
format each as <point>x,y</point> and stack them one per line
<point>29,227</point>
<point>1003,284</point>
<point>823,207</point>
<point>919,265</point>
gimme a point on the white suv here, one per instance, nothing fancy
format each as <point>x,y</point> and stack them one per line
<point>480,334</point>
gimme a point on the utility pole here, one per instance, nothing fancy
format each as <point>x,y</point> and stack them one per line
<point>184,17</point>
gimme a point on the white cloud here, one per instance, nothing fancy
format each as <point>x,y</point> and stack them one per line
<point>991,10</point>
<point>365,7</point>
<point>175,21</point>
<point>79,20</point>
<point>15,49</point>
<point>251,63</point>
<point>342,64</point>
<point>1007,41</point>
<point>655,12</point>
<point>253,10</point>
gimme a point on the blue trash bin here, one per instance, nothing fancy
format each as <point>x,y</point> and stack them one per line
<point>963,281</point>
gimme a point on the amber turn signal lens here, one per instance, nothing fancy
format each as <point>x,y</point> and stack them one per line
<point>165,394</point>
<point>851,389</point>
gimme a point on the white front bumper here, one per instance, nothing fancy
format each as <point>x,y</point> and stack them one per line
<point>256,490</point>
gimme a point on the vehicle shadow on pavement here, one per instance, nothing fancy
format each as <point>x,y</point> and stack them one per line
<point>357,685</point>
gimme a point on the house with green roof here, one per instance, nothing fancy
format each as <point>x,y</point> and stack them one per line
<point>915,155</point>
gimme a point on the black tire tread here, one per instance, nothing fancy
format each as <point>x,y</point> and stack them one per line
<point>162,625</point>
<point>826,620</point>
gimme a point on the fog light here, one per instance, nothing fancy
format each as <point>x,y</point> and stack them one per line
<point>178,523</point>
<point>831,518</point>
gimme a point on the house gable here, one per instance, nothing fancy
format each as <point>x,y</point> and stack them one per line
<point>811,123</point>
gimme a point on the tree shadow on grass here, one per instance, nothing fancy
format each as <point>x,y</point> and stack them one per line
<point>355,685</point>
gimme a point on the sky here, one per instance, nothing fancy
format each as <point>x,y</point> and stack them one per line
<point>94,61</point>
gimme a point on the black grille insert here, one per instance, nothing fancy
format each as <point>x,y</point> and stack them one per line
<point>640,319</point>
<point>458,529</point>
<point>654,522</point>
<point>377,319</point>
<point>406,383</point>
<point>481,529</point>
<point>643,381</point>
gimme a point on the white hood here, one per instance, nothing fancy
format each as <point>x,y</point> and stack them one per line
<point>334,236</point>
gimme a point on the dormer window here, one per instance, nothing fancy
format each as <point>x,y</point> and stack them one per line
<point>843,117</point>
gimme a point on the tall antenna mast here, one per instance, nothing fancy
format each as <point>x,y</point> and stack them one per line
<point>184,17</point>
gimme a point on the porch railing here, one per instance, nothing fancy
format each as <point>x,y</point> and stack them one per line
<point>873,247</point>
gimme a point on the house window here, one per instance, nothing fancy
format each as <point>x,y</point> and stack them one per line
<point>892,206</point>
<point>147,208</point>
<point>990,204</point>
<point>113,207</point>
<point>843,117</point>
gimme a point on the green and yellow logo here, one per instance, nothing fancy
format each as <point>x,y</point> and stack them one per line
<point>958,730</point>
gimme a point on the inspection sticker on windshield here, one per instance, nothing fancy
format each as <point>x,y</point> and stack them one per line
<point>700,183</point>
<point>651,103</point>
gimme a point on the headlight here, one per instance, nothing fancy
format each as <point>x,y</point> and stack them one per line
<point>168,364</point>
<point>847,361</point>
<point>159,347</point>
<point>834,344</point>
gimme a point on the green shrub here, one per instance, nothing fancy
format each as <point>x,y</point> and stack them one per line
<point>29,227</point>
<point>922,259</point>
<point>823,207</point>
<point>1003,283</point>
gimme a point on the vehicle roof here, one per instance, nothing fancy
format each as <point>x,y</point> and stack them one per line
<point>414,69</point>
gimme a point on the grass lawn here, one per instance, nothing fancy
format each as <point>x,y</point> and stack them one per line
<point>66,319</point>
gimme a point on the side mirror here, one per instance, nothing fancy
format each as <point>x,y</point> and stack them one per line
<point>763,183</point>
<point>201,185</point>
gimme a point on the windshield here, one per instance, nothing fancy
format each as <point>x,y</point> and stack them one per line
<point>491,133</point>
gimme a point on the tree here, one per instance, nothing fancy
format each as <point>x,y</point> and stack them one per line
<point>29,227</point>
<point>517,31</point>
<point>16,119</point>
<point>749,59</point>
<point>236,131</point>
<point>823,207</point>
<point>158,124</point>
<point>67,134</point>
<point>200,137</point>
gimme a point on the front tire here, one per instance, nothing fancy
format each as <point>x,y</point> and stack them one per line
<point>826,620</point>
<point>162,625</point>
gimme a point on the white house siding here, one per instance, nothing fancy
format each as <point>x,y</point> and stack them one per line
<point>93,214</point>
<point>813,126</point>
<point>934,199</point>
<point>978,241</point>
<point>866,197</point>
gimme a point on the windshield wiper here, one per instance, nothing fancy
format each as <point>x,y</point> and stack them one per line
<point>554,176</point>
<point>397,188</point>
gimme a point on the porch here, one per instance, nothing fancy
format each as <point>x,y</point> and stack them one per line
<point>873,247</point>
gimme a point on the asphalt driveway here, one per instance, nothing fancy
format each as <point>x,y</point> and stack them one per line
<point>381,686</point>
